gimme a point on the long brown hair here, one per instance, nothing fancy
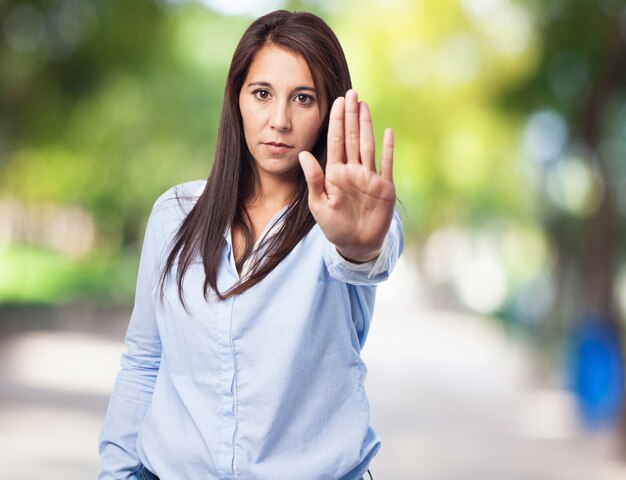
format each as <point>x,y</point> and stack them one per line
<point>233,174</point>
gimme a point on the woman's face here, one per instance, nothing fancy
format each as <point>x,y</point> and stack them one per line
<point>281,110</point>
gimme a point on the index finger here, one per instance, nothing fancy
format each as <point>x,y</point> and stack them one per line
<point>335,145</point>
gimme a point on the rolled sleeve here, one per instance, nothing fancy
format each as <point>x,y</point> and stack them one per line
<point>374,271</point>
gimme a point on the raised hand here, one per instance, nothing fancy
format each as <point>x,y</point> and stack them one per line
<point>352,204</point>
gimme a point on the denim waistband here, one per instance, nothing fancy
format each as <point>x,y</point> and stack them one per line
<point>146,474</point>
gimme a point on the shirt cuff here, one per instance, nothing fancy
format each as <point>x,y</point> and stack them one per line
<point>372,268</point>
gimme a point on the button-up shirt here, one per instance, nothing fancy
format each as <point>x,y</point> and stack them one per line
<point>264,385</point>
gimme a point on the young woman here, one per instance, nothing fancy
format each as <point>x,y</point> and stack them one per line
<point>256,287</point>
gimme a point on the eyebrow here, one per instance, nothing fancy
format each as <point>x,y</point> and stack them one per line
<point>267,84</point>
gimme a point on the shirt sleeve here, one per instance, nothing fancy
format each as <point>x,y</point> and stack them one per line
<point>374,271</point>
<point>132,392</point>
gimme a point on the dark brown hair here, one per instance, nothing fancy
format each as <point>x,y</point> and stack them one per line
<point>233,174</point>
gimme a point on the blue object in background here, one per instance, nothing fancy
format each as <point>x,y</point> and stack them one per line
<point>596,371</point>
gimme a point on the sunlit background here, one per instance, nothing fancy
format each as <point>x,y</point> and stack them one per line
<point>496,350</point>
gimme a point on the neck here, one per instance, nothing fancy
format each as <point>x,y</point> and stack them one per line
<point>272,192</point>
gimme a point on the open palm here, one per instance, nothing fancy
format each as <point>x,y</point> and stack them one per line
<point>352,204</point>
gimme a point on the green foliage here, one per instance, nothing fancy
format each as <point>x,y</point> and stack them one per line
<point>113,123</point>
<point>105,118</point>
<point>430,72</point>
<point>104,105</point>
<point>33,275</point>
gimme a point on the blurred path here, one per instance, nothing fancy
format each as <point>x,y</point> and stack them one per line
<point>452,399</point>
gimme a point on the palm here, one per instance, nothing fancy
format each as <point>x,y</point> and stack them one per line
<point>352,204</point>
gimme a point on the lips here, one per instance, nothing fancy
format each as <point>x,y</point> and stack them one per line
<point>278,144</point>
<point>278,148</point>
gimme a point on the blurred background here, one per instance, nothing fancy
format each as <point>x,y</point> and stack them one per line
<point>496,350</point>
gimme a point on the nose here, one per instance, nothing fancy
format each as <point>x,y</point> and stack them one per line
<point>281,116</point>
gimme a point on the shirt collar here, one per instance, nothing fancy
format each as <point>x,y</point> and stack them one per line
<point>273,225</point>
<point>199,191</point>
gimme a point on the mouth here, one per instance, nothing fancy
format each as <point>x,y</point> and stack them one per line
<point>278,148</point>
<point>278,144</point>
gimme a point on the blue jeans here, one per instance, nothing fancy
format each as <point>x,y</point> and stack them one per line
<point>146,474</point>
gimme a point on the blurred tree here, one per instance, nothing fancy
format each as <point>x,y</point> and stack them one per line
<point>576,104</point>
<point>95,95</point>
<point>430,71</point>
<point>104,105</point>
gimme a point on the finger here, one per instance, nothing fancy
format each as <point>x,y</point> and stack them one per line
<point>368,148</point>
<point>314,178</point>
<point>335,147</point>
<point>352,127</point>
<point>386,161</point>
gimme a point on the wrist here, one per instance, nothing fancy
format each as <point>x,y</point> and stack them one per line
<point>358,256</point>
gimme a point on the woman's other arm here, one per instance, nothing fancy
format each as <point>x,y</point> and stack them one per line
<point>132,392</point>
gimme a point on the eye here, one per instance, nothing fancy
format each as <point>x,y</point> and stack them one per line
<point>304,99</point>
<point>261,94</point>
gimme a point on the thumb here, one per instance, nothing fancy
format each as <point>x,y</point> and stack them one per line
<point>314,178</point>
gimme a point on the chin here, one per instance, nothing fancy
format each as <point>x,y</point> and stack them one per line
<point>282,172</point>
<point>279,166</point>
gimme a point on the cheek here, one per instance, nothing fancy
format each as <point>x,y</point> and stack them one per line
<point>315,129</point>
<point>247,115</point>
<point>248,124</point>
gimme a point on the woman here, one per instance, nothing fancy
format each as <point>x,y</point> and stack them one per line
<point>246,364</point>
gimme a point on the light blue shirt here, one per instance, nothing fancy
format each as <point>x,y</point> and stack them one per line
<point>265,385</point>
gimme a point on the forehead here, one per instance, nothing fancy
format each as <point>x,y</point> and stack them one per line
<point>280,67</point>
